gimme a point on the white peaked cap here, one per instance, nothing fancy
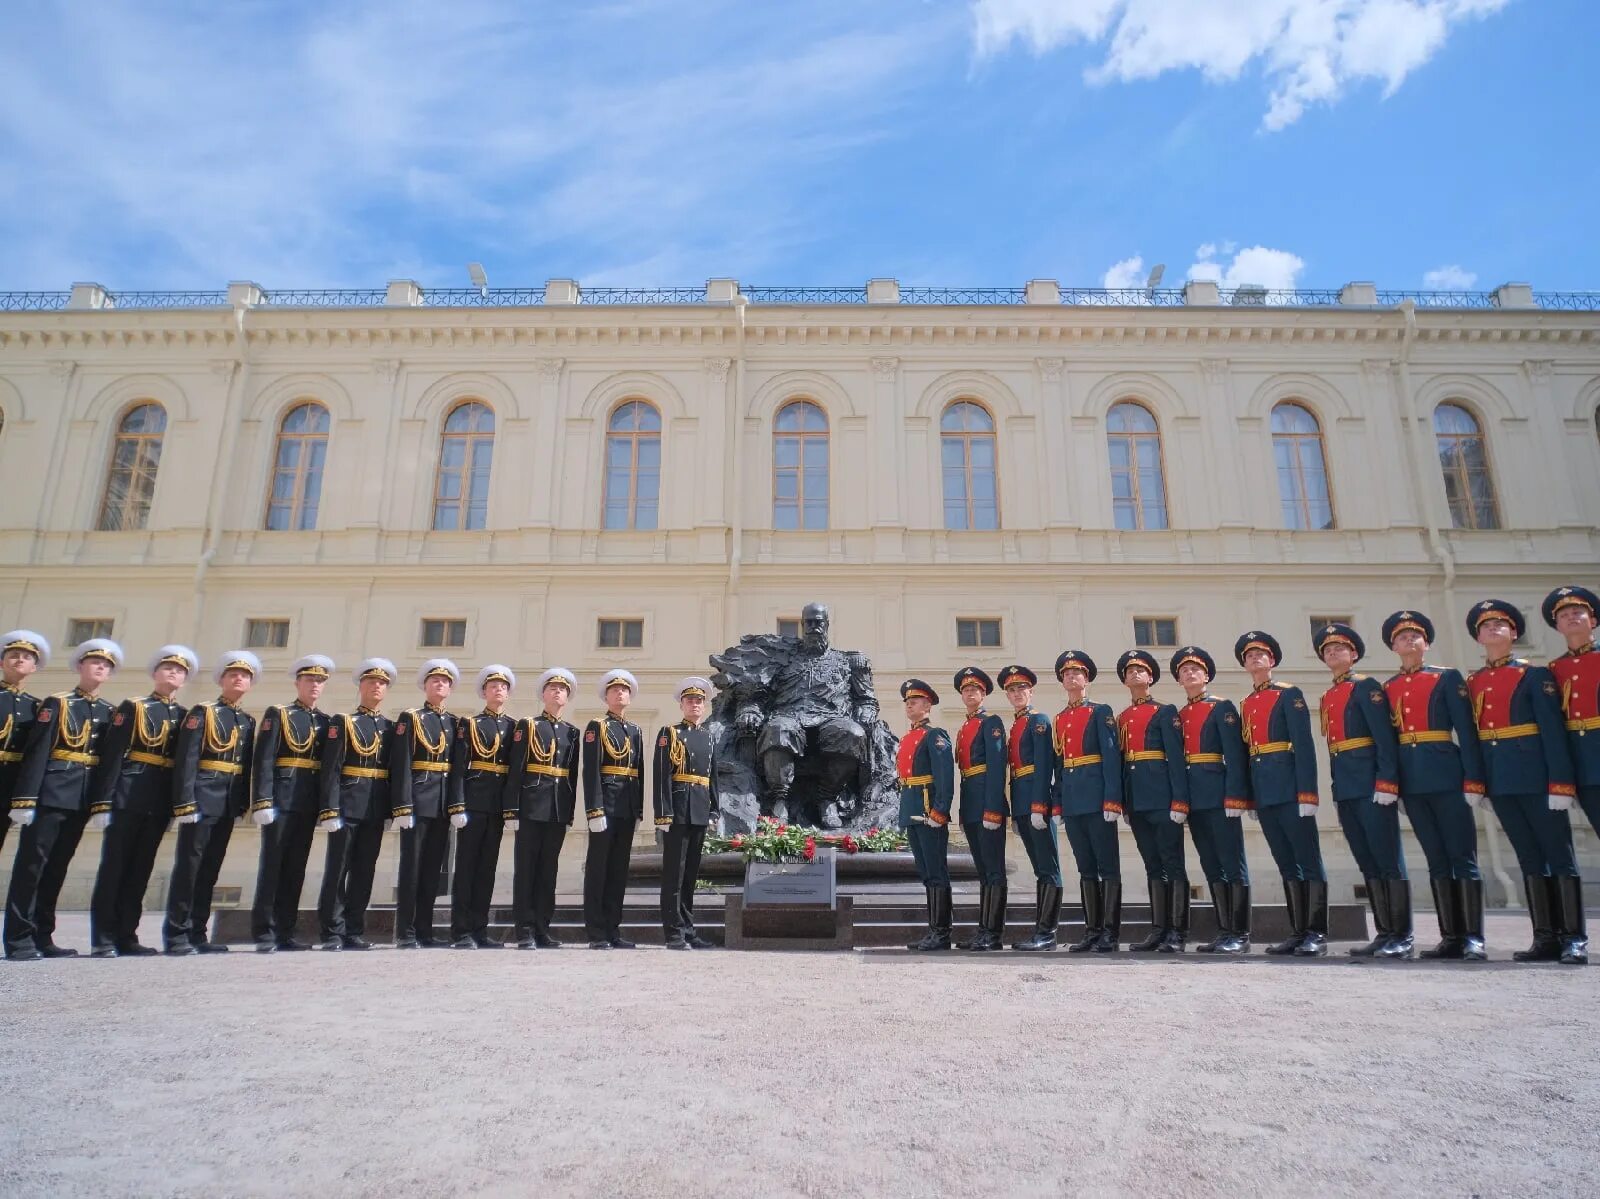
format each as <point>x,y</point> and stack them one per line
<point>28,639</point>
<point>237,659</point>
<point>98,647</point>
<point>618,675</point>
<point>496,670</point>
<point>380,667</point>
<point>435,666</point>
<point>180,654</point>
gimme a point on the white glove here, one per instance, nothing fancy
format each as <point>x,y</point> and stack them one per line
<point>513,823</point>
<point>597,824</point>
<point>991,825</point>
<point>1255,815</point>
<point>458,820</point>
<point>264,816</point>
<point>191,818</point>
<point>404,822</point>
<point>919,820</point>
<point>1108,815</point>
<point>1472,798</point>
<point>1178,817</point>
<point>1235,813</point>
<point>1383,798</point>
<point>1308,809</point>
<point>331,825</point>
<point>100,821</point>
<point>1560,803</point>
<point>1037,820</point>
<point>21,817</point>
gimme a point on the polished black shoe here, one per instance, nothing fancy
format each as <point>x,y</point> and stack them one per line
<point>1542,901</point>
<point>266,947</point>
<point>1315,943</point>
<point>1378,900</point>
<point>1573,931</point>
<point>545,942</point>
<point>1294,895</point>
<point>132,949</point>
<point>292,946</point>
<point>488,943</point>
<point>1402,941</point>
<point>1221,907</point>
<point>599,944</point>
<point>182,949</point>
<point>28,954</point>
<point>981,937</point>
<point>527,943</point>
<point>430,943</point>
<point>696,941</point>
<point>1038,907</point>
<point>332,945</point>
<point>1160,903</point>
<point>211,947</point>
<point>356,942</point>
<point>1111,935</point>
<point>408,943</point>
<point>1090,895</point>
<point>1444,908</point>
<point>622,943</point>
<point>1469,914</point>
<point>676,943</point>
<point>463,943</point>
<point>52,950</point>
<point>1177,921</point>
<point>104,951</point>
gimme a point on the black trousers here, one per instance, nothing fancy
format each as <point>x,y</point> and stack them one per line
<point>680,869</point>
<point>44,851</point>
<point>472,889</point>
<point>280,876</point>
<point>605,879</point>
<point>127,856</point>
<point>422,850</point>
<point>201,848</point>
<point>533,884</point>
<point>347,870</point>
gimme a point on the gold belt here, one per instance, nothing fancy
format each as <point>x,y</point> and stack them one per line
<point>295,763</point>
<point>1587,724</point>
<point>10,755</point>
<point>149,759</point>
<point>555,772</point>
<point>1338,747</point>
<point>1424,737</point>
<point>1271,747</point>
<point>1084,760</point>
<point>967,772</point>
<point>1507,733</point>
<point>703,779</point>
<point>431,767</point>
<point>1021,772</point>
<point>1203,759</point>
<point>1146,755</point>
<point>917,780</point>
<point>67,755</point>
<point>491,767</point>
<point>621,772</point>
<point>364,772</point>
<point>220,767</point>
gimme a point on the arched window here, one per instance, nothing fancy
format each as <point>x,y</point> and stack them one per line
<point>967,457</point>
<point>461,492</point>
<point>1302,468</point>
<point>131,481</point>
<point>1138,488</point>
<point>633,466</point>
<point>297,468</point>
<point>1465,462</point>
<point>800,467</point>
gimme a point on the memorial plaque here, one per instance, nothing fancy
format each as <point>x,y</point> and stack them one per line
<point>791,883</point>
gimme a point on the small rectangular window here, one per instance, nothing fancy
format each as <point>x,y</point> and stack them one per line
<point>83,628</point>
<point>1318,623</point>
<point>266,633</point>
<point>621,634</point>
<point>978,632</point>
<point>1155,632</point>
<point>443,633</point>
<point>788,626</point>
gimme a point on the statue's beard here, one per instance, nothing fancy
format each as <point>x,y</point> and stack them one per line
<point>815,642</point>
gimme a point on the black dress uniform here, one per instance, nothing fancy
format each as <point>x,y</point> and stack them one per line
<point>212,781</point>
<point>613,787</point>
<point>1088,790</point>
<point>1155,790</point>
<point>355,791</point>
<point>134,784</point>
<point>18,710</point>
<point>477,785</point>
<point>288,780</point>
<point>925,770</point>
<point>57,769</point>
<point>541,794</point>
<point>684,793</point>
<point>981,765</point>
<point>419,783</point>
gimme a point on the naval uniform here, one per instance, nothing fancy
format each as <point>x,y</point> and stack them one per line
<point>288,779</point>
<point>355,790</point>
<point>613,787</point>
<point>684,800</point>
<point>482,750</point>
<point>541,793</point>
<point>419,783</point>
<point>18,710</point>
<point>211,779</point>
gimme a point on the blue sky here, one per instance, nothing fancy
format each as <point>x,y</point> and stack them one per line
<point>981,143</point>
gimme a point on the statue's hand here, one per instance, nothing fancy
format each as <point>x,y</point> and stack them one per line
<point>748,721</point>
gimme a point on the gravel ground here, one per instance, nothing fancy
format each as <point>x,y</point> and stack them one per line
<point>652,1073</point>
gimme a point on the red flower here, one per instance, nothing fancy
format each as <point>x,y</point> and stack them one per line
<point>737,843</point>
<point>849,843</point>
<point>811,849</point>
<point>873,831</point>
<point>783,828</point>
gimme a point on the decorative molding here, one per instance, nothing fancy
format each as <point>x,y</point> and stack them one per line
<point>387,369</point>
<point>1051,369</point>
<point>717,368</point>
<point>1215,371</point>
<point>885,368</point>
<point>1540,370</point>
<point>549,368</point>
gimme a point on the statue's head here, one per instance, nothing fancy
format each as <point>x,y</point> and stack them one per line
<point>814,621</point>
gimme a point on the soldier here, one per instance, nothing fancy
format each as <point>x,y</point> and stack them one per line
<point>1219,796</point>
<point>1441,781</point>
<point>482,755</point>
<point>22,652</point>
<point>131,800</point>
<point>1363,756</point>
<point>1283,785</point>
<point>684,795</point>
<point>1156,799</point>
<point>1528,770</point>
<point>288,796</point>
<point>51,800</point>
<point>1573,612</point>
<point>1030,756</point>
<point>211,789</point>
<point>419,785</point>
<point>613,801</point>
<point>540,798</point>
<point>355,808</point>
<point>981,758</point>
<point>1088,798</point>
<point>925,769</point>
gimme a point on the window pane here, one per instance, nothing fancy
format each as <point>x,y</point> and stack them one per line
<point>953,453</point>
<point>610,634</point>
<point>989,633</point>
<point>985,516</point>
<point>785,515</point>
<point>633,634</point>
<point>446,516</point>
<point>966,633</point>
<point>644,515</point>
<point>816,513</point>
<point>786,452</point>
<point>816,453</point>
<point>786,486</point>
<point>649,452</point>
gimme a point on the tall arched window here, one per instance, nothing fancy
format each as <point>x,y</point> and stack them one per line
<point>1465,462</point>
<point>461,492</point>
<point>131,480</point>
<point>633,466</point>
<point>1302,468</point>
<point>297,468</point>
<point>800,467</point>
<point>967,457</point>
<point>1138,488</point>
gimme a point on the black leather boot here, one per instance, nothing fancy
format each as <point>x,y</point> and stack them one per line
<point>1402,938</point>
<point>1177,918</point>
<point>1573,929</point>
<point>1315,943</point>
<point>1111,933</point>
<point>1541,913</point>
<point>1044,933</point>
<point>1469,918</point>
<point>1444,906</point>
<point>930,940</point>
<point>1294,895</point>
<point>1221,906</point>
<point>1160,905</point>
<point>1038,908</point>
<point>1238,920</point>
<point>1378,900</point>
<point>1089,891</point>
<point>996,924</point>
<point>980,934</point>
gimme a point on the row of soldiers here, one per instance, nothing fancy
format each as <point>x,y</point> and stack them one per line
<point>1525,736</point>
<point>71,761</point>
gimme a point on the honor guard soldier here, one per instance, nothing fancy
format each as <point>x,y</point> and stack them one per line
<point>1363,755</point>
<point>1573,612</point>
<point>22,652</point>
<point>613,801</point>
<point>1030,757</point>
<point>419,785</point>
<point>1283,786</point>
<point>355,808</point>
<point>1528,770</point>
<point>1219,796</point>
<point>51,800</point>
<point>477,785</point>
<point>288,795</point>
<point>684,794</point>
<point>1088,797</point>
<point>925,770</point>
<point>541,796</point>
<point>981,760</point>
<point>132,801</point>
<point>211,789</point>
<point>1441,781</point>
<point>1155,794</point>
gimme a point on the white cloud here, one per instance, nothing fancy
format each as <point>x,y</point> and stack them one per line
<point>1449,278</point>
<point>1309,50</point>
<point>1126,274</point>
<point>1276,270</point>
